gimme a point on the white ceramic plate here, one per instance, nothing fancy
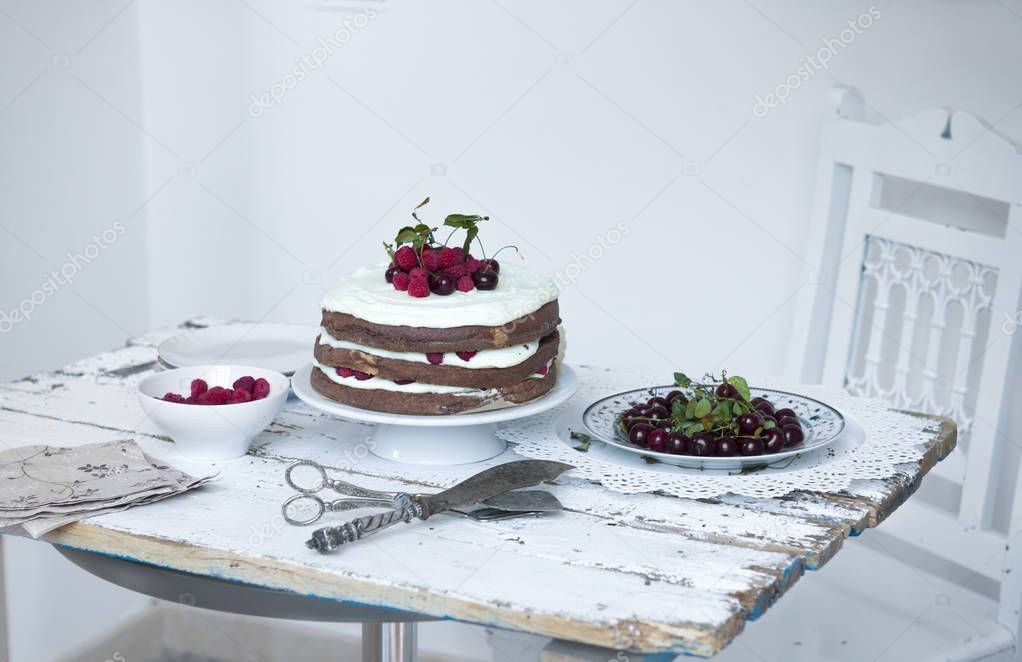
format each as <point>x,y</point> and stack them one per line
<point>821,422</point>
<point>271,346</point>
<point>567,383</point>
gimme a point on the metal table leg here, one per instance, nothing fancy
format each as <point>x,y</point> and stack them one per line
<point>389,642</point>
<point>382,639</point>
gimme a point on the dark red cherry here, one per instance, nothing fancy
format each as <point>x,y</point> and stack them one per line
<point>788,420</point>
<point>726,390</point>
<point>748,423</point>
<point>658,412</point>
<point>490,265</point>
<point>485,280</point>
<point>764,407</point>
<point>639,434</point>
<point>653,402</point>
<point>727,447</point>
<point>442,284</point>
<point>773,440</point>
<point>677,443</point>
<point>701,444</point>
<point>656,441</point>
<point>793,435</point>
<point>784,413</point>
<point>678,396</point>
<point>750,446</point>
<point>389,273</point>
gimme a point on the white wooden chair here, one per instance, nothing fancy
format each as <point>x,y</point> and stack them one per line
<point>916,251</point>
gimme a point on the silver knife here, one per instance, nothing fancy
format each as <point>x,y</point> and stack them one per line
<point>484,485</point>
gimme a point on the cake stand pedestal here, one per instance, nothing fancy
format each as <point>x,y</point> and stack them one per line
<point>450,439</point>
<point>436,445</point>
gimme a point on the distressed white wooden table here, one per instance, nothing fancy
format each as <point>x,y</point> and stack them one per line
<point>636,573</point>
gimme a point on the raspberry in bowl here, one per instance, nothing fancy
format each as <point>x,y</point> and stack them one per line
<point>213,413</point>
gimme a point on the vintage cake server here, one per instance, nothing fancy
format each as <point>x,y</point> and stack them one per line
<point>517,503</point>
<point>484,485</point>
<point>509,504</point>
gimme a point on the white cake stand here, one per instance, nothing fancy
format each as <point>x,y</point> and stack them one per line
<point>450,439</point>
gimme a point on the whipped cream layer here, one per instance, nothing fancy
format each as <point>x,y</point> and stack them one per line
<point>366,295</point>
<point>504,357</point>
<point>414,387</point>
<point>389,385</point>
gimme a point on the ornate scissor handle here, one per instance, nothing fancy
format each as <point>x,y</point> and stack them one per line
<point>330,538</point>
<point>326,482</point>
<point>298,498</point>
<point>322,507</point>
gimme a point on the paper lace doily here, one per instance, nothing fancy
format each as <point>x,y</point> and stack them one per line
<point>876,441</point>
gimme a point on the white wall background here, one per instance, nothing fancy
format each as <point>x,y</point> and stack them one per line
<point>560,120</point>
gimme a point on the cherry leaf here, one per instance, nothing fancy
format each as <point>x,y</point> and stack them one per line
<point>741,386</point>
<point>682,380</point>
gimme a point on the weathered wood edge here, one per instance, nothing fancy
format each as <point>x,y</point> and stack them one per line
<point>309,582</point>
<point>901,487</point>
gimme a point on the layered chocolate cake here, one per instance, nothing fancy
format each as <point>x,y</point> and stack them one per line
<point>436,331</point>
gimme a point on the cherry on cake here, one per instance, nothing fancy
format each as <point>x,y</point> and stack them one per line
<point>438,330</point>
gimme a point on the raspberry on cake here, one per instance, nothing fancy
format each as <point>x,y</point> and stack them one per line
<point>411,337</point>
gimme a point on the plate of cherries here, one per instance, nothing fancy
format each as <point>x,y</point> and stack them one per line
<point>720,423</point>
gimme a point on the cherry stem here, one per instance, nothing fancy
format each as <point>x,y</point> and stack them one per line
<point>480,242</point>
<point>504,248</point>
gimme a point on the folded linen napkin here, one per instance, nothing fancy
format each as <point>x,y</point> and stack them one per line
<point>45,487</point>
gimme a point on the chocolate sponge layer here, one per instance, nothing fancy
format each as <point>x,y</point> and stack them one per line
<point>449,375</point>
<point>532,326</point>
<point>396,402</point>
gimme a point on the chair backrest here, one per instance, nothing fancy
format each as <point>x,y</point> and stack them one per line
<point>917,244</point>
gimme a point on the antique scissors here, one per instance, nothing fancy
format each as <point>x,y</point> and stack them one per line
<point>359,497</point>
<point>518,503</point>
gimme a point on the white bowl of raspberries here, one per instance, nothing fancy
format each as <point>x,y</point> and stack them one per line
<point>213,412</point>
